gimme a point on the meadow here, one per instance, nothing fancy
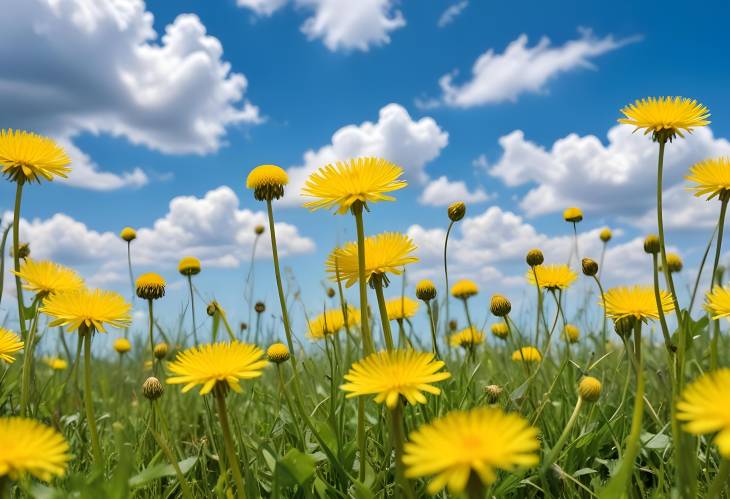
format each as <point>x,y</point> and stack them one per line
<point>624,393</point>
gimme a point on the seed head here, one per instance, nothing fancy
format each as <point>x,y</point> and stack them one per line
<point>493,392</point>
<point>152,389</point>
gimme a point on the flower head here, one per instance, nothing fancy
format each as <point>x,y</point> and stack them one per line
<point>152,389</point>
<point>9,344</point>
<point>589,389</point>
<point>392,374</point>
<point>122,345</point>
<point>189,265</point>
<point>128,234</point>
<point>573,215</point>
<point>572,333</point>
<point>30,447</point>
<point>363,180</point>
<point>160,350</point>
<point>500,305</point>
<point>27,157</point>
<point>711,178</point>
<point>480,441</point>
<point>605,235</point>
<point>552,277</point>
<point>665,117</point>
<point>527,354</point>
<point>44,277</point>
<point>267,182</point>
<point>464,289</point>
<point>636,301</point>
<point>331,322</point>
<point>388,252</point>
<point>705,406</point>
<point>534,257</point>
<point>150,286</point>
<point>216,363</point>
<point>717,302</point>
<point>278,353</point>
<point>88,307</point>
<point>56,363</point>
<point>674,262</point>
<point>467,338</point>
<point>425,290</point>
<point>456,211</point>
<point>500,330</point>
<point>401,307</point>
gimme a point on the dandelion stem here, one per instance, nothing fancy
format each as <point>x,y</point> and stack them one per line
<point>129,265</point>
<point>603,300</point>
<point>367,339</point>
<point>699,272</point>
<point>555,451</point>
<point>387,334</point>
<point>660,309</point>
<point>150,313</point>
<point>28,360</point>
<point>87,334</point>
<point>718,249</point>
<point>398,437</point>
<point>446,276</point>
<point>16,257</point>
<point>192,308</point>
<point>722,479</point>
<point>220,399</point>
<point>434,340</point>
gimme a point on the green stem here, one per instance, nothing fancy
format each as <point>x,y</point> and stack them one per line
<point>555,451</point>
<point>16,258</point>
<point>434,341</point>
<point>716,330</point>
<point>387,334</point>
<point>474,487</point>
<point>28,360</point>
<point>150,313</point>
<point>87,334</point>
<point>367,338</point>
<point>222,315</point>
<point>185,488</point>
<point>287,399</point>
<point>468,316</point>
<point>129,264</point>
<point>660,309</point>
<point>539,307</point>
<point>722,479</point>
<point>228,441</point>
<point>603,300</point>
<point>699,272</point>
<point>192,309</point>
<point>446,275</point>
<point>398,437</point>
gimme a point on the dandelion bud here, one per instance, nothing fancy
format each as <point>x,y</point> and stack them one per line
<point>160,351</point>
<point>212,308</point>
<point>590,267</point>
<point>573,215</point>
<point>674,262</point>
<point>243,326</point>
<point>278,353</point>
<point>260,308</point>
<point>651,244</point>
<point>122,345</point>
<point>23,251</point>
<point>456,211</point>
<point>572,333</point>
<point>534,257</point>
<point>500,330</point>
<point>426,290</point>
<point>500,305</point>
<point>258,230</point>
<point>589,389</point>
<point>330,292</point>
<point>453,325</point>
<point>152,389</point>
<point>128,234</point>
<point>606,235</point>
<point>150,286</point>
<point>267,182</point>
<point>624,326</point>
<point>188,266</point>
<point>493,392</point>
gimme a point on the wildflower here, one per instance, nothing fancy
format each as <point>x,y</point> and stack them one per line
<point>188,266</point>
<point>426,290</point>
<point>704,408</point>
<point>150,286</point>
<point>27,157</point>
<point>152,389</point>
<point>91,308</point>
<point>400,308</point>
<point>44,277</point>
<point>652,246</point>
<point>331,322</point>
<point>572,333</point>
<point>527,354</point>
<point>573,215</point>
<point>128,234</point>
<point>534,257</point>
<point>464,289</point>
<point>636,301</point>
<point>160,351</point>
<point>674,262</point>
<point>467,338</point>
<point>9,344</point>
<point>500,306</point>
<point>717,302</point>
<point>500,330</point>
<point>258,230</point>
<point>493,393</point>
<point>665,117</point>
<point>56,363</point>
<point>552,277</point>
<point>391,374</point>
<point>278,353</point>
<point>605,235</point>
<point>122,345</point>
<point>30,447</point>
<point>260,307</point>
<point>480,441</point>
<point>456,211</point>
<point>590,267</point>
<point>589,389</point>
<point>267,182</point>
<point>711,178</point>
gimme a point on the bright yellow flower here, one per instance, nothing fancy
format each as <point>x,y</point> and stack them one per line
<point>267,182</point>
<point>464,289</point>
<point>56,363</point>
<point>214,363</point>
<point>387,252</point>
<point>401,308</point>
<point>425,290</point>
<point>674,262</point>
<point>389,375</point>
<point>122,345</point>
<point>527,354</point>
<point>27,157</point>
<point>573,215</point>
<point>665,115</point>
<point>552,277</point>
<point>605,235</point>
<point>637,301</point>
<point>128,234</point>
<point>331,322</point>
<point>705,406</point>
<point>466,338</point>
<point>500,330</point>
<point>711,176</point>
<point>189,265</point>
<point>29,447</point>
<point>572,333</point>
<point>717,302</point>
<point>150,286</point>
<point>92,308</point>
<point>9,344</point>
<point>344,183</point>
<point>278,353</point>
<point>480,441</point>
<point>45,277</point>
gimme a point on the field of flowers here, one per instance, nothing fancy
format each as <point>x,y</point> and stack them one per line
<point>625,393</point>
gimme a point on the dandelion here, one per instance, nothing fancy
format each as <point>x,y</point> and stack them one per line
<point>465,449</point>
<point>400,308</point>
<point>665,117</point>
<point>331,322</point>
<point>277,353</point>
<point>605,235</point>
<point>267,182</point>
<point>589,389</point>
<point>638,302</point>
<point>534,257</point>
<point>9,344</point>
<point>493,392</point>
<point>43,277</point>
<point>455,212</point>
<point>704,408</point>
<point>552,277</point>
<point>500,330</point>
<point>572,333</point>
<point>122,345</point>
<point>426,291</point>
<point>31,448</point>
<point>150,287</point>
<point>128,234</point>
<point>573,215</point>
<point>467,338</point>
<point>464,289</point>
<point>56,363</point>
<point>160,351</point>
<point>500,306</point>
<point>527,354</point>
<point>674,263</point>
<point>589,267</point>
<point>188,267</point>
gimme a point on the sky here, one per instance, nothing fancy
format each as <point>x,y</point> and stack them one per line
<point>164,108</point>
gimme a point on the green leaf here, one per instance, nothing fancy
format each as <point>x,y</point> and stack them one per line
<point>159,471</point>
<point>296,467</point>
<point>519,391</point>
<point>361,491</point>
<point>584,471</point>
<point>653,441</point>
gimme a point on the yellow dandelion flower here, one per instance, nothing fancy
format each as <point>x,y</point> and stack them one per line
<point>150,286</point>
<point>388,252</point>
<point>425,290</point>
<point>278,353</point>
<point>467,337</point>
<point>128,234</point>
<point>30,447</point>
<point>605,235</point>
<point>717,302</point>
<point>9,344</point>
<point>527,354</point>
<point>225,363</point>
<point>56,363</point>
<point>636,301</point>
<point>705,406</point>
<point>331,322</point>
<point>189,265</point>
<point>267,182</point>
<point>572,333</point>
<point>665,117</point>
<point>122,345</point>
<point>401,308</point>
<point>552,277</point>
<point>92,308</point>
<point>364,180</point>
<point>711,178</point>
<point>392,374</point>
<point>573,215</point>
<point>27,157</point>
<point>44,277</point>
<point>480,441</point>
<point>500,330</point>
<point>464,289</point>
<point>674,262</point>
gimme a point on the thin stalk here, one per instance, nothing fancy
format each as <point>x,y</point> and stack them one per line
<point>716,329</point>
<point>398,437</point>
<point>129,265</point>
<point>603,300</point>
<point>28,360</point>
<point>16,258</point>
<point>192,309</point>
<point>434,341</point>
<point>699,272</point>
<point>446,276</point>
<point>184,487</point>
<point>555,451</point>
<point>87,334</point>
<point>539,307</point>
<point>150,313</point>
<point>220,399</point>
<point>468,316</point>
<point>367,339</point>
<point>660,309</point>
<point>387,334</point>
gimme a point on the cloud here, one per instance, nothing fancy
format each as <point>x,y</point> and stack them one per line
<point>85,173</point>
<point>521,69</point>
<point>442,192</point>
<point>452,12</point>
<point>618,178</point>
<point>395,136</point>
<point>262,7</point>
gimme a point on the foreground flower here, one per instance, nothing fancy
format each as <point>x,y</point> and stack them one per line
<point>711,178</point>
<point>92,308</point>
<point>29,447</point>
<point>331,322</point>
<point>56,363</point>
<point>9,344</point>
<point>27,157</point>
<point>425,290</point>
<point>45,277</point>
<point>400,308</point>
<point>637,301</point>
<point>341,185</point>
<point>717,302</point>
<point>665,117</point>
<point>527,354</point>
<point>464,289</point>
<point>267,182</point>
<point>384,253</point>
<point>214,363</point>
<point>479,441</point>
<point>391,374</point>
<point>150,286</point>
<point>467,338</point>
<point>552,277</point>
<point>705,406</point>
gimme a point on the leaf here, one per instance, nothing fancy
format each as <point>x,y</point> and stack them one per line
<point>584,471</point>
<point>160,470</point>
<point>360,491</point>
<point>653,441</point>
<point>519,391</point>
<point>296,467</point>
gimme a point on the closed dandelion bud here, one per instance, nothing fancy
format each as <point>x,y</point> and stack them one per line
<point>150,286</point>
<point>212,308</point>
<point>426,290</point>
<point>624,326</point>
<point>267,182</point>
<point>278,353</point>
<point>534,257</point>
<point>674,262</point>
<point>492,392</point>
<point>453,325</point>
<point>572,333</point>
<point>128,234</point>
<point>589,389</point>
<point>606,235</point>
<point>651,244</point>
<point>152,389</point>
<point>500,305</point>
<point>188,266</point>
<point>160,351</point>
<point>456,211</point>
<point>260,308</point>
<point>258,230</point>
<point>500,330</point>
<point>330,292</point>
<point>122,345</point>
<point>590,267</point>
<point>243,326</point>
<point>573,215</point>
<point>23,251</point>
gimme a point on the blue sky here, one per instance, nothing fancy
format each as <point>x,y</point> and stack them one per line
<point>153,118</point>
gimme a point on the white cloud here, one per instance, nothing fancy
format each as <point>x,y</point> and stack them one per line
<point>442,192</point>
<point>262,7</point>
<point>395,136</point>
<point>452,12</point>
<point>618,178</point>
<point>520,69</point>
<point>85,173</point>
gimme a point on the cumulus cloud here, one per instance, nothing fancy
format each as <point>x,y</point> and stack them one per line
<point>262,7</point>
<point>86,173</point>
<point>452,12</point>
<point>442,192</point>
